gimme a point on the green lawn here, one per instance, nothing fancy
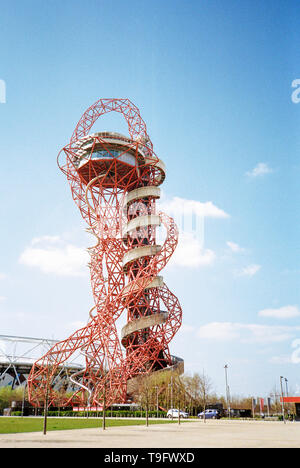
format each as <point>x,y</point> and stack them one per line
<point>13,425</point>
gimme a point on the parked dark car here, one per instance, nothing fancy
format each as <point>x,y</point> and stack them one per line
<point>209,414</point>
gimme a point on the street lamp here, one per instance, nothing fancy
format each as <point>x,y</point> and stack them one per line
<point>282,402</point>
<point>287,394</point>
<point>286,387</point>
<point>227,391</point>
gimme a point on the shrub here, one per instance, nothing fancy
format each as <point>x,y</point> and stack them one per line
<point>109,413</point>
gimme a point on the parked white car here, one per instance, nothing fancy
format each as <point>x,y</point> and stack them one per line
<point>175,414</point>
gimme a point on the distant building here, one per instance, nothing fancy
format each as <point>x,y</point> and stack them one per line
<point>17,355</point>
<point>296,401</point>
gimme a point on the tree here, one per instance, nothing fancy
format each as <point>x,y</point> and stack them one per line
<point>205,386</point>
<point>8,395</point>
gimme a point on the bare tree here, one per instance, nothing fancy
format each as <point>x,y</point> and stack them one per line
<point>205,386</point>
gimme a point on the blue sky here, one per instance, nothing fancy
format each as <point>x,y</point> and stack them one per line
<point>213,82</point>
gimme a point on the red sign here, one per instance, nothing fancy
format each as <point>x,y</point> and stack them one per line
<point>290,399</point>
<point>261,404</point>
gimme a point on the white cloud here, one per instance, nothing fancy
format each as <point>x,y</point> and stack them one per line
<point>259,170</point>
<point>190,253</point>
<point>3,276</point>
<point>284,312</point>
<point>189,216</point>
<point>295,357</point>
<point>223,331</point>
<point>246,333</point>
<point>3,298</point>
<point>269,334</point>
<point>181,206</point>
<point>52,255</point>
<point>235,247</point>
<point>45,239</point>
<point>250,270</point>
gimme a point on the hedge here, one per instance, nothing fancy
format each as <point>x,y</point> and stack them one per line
<point>109,413</point>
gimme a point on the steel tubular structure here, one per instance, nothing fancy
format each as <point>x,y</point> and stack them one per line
<point>115,184</point>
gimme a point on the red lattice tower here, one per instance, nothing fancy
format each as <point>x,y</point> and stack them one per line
<point>115,183</point>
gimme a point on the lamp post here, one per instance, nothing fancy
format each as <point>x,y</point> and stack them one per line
<point>227,391</point>
<point>287,394</point>
<point>282,402</point>
<point>286,387</point>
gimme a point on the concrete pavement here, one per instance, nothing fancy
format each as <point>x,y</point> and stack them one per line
<point>193,434</point>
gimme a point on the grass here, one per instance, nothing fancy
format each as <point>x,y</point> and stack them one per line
<point>13,425</point>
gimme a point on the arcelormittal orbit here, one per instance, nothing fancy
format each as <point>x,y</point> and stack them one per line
<point>115,182</point>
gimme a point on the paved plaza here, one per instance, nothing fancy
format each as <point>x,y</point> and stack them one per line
<point>193,434</point>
